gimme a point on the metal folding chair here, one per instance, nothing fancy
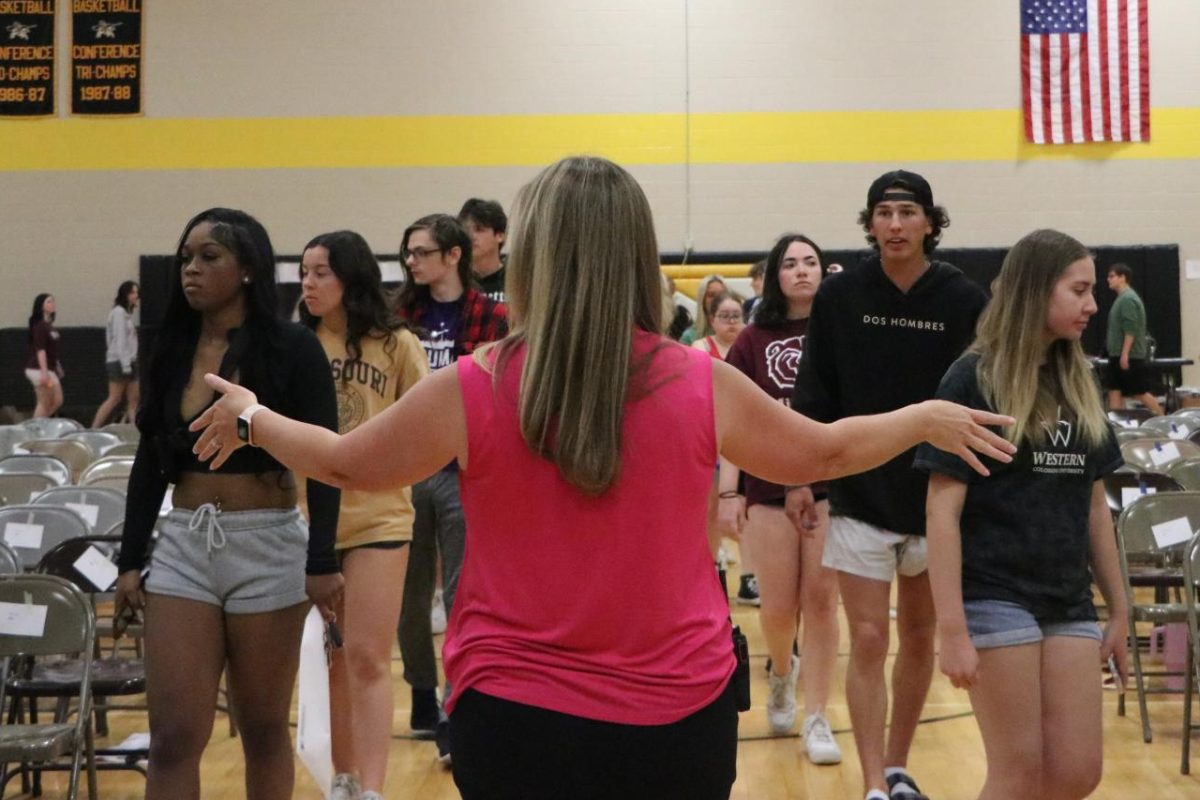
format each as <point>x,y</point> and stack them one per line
<point>32,530</point>
<point>50,466</point>
<point>101,507</point>
<point>21,487</point>
<point>1153,531</point>
<point>55,619</point>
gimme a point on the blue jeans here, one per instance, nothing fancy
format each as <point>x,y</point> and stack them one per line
<point>439,526</point>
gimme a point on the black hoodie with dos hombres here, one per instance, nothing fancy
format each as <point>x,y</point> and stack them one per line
<point>871,348</point>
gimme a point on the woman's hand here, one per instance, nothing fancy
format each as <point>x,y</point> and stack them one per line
<point>219,421</point>
<point>960,430</point>
<point>801,508</point>
<point>1115,646</point>
<point>325,592</point>
<point>731,516</point>
<point>129,599</point>
<point>959,660</point>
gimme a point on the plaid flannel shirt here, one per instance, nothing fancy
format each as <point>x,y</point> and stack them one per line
<point>483,320</point>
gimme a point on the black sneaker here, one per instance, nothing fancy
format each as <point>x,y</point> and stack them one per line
<point>901,786</point>
<point>748,591</point>
<point>425,712</point>
<point>443,741</point>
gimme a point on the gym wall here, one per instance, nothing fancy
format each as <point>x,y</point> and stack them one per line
<point>741,119</point>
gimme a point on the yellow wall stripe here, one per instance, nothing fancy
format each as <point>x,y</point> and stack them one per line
<point>488,141</point>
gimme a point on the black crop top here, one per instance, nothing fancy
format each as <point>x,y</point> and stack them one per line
<point>300,387</point>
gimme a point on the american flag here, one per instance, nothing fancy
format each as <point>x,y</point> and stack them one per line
<point>1085,71</point>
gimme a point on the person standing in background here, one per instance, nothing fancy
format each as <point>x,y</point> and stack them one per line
<point>880,337</point>
<point>375,359</point>
<point>487,225</point>
<point>120,356</point>
<point>1127,345</point>
<point>756,288</point>
<point>452,319</point>
<point>42,367</point>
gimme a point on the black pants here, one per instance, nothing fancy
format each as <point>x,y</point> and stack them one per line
<point>509,750</point>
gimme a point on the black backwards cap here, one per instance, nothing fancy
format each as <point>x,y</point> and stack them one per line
<point>917,188</point>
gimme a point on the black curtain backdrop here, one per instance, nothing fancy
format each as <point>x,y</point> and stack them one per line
<point>1155,277</point>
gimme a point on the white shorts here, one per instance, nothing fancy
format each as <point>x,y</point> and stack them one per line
<point>35,377</point>
<point>861,549</point>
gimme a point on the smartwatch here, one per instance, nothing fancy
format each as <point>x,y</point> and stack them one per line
<point>244,429</point>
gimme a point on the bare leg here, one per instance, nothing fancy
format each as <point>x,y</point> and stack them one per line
<point>912,672</point>
<point>818,607</point>
<point>44,406</point>
<point>866,604</point>
<point>185,653</point>
<point>264,655</point>
<point>116,391</point>
<point>374,588</point>
<point>132,398</point>
<point>778,581</point>
<point>1008,709</point>
<point>1115,401</point>
<point>1072,758</point>
<point>56,398</point>
<point>1151,402</point>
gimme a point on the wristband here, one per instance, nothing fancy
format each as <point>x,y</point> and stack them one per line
<point>728,495</point>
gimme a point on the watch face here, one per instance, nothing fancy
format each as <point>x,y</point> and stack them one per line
<point>243,430</point>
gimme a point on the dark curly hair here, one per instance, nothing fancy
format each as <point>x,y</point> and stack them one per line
<point>939,219</point>
<point>368,313</point>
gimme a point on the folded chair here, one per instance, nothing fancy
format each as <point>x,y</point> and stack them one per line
<point>57,621</point>
<point>21,487</point>
<point>1191,574</point>
<point>1154,530</point>
<point>32,530</point>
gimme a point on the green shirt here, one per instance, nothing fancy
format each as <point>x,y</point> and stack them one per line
<point>1127,317</point>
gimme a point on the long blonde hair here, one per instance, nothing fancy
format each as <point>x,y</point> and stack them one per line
<point>582,275</point>
<point>1018,373</point>
<point>703,325</point>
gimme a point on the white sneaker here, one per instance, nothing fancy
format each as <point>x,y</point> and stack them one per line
<point>345,787</point>
<point>818,739</point>
<point>437,617</point>
<point>781,699</point>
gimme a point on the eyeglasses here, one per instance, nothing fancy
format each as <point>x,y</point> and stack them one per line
<point>417,253</point>
<point>729,317</point>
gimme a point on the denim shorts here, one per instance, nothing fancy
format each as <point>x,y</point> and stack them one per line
<point>999,623</point>
<point>246,562</point>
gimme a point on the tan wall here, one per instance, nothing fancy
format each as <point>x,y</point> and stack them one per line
<point>78,232</point>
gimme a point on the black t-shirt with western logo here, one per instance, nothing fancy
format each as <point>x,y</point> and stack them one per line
<point>1025,527</point>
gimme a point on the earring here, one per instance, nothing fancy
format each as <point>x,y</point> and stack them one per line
<point>246,279</point>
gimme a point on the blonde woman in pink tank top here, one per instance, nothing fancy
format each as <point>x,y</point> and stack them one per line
<point>576,436</point>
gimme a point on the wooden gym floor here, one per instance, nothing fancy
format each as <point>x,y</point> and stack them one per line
<point>947,756</point>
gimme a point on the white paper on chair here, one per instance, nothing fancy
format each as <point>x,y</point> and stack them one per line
<point>94,566</point>
<point>313,744</point>
<point>1163,454</point>
<point>34,495</point>
<point>24,534</point>
<point>1177,432</point>
<point>89,512</point>
<point>1175,531</point>
<point>22,619</point>
<point>1128,423</point>
<point>1131,493</point>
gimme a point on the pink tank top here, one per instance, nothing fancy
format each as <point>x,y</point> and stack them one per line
<point>608,607</point>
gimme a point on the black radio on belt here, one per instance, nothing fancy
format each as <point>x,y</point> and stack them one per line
<point>741,673</point>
